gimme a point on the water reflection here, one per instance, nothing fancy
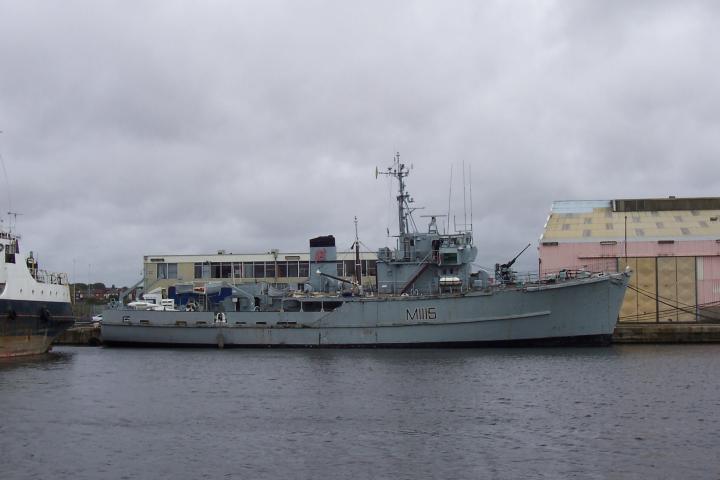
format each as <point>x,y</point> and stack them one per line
<point>46,361</point>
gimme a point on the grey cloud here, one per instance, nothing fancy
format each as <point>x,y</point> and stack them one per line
<point>187,128</point>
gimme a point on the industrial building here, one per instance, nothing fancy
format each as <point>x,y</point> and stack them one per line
<point>672,245</point>
<point>280,269</point>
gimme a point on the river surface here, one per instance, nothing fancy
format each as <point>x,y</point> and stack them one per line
<point>623,412</point>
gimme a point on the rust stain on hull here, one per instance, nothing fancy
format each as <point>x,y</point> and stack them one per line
<point>19,345</point>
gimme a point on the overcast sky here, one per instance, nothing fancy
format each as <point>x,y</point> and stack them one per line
<point>137,128</point>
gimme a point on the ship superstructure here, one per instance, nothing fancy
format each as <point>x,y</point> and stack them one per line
<point>423,262</point>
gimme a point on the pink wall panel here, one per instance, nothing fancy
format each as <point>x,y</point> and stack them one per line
<point>574,255</point>
<point>708,280</point>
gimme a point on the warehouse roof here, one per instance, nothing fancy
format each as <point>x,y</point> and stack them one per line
<point>598,220</point>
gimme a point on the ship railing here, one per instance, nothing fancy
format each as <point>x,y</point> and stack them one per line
<point>52,278</point>
<point>560,275</point>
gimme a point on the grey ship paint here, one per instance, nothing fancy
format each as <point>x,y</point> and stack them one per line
<point>426,295</point>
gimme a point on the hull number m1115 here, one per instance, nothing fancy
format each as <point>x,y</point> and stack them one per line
<point>424,313</point>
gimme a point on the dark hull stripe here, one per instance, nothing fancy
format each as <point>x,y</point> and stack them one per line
<point>23,318</point>
<point>32,308</point>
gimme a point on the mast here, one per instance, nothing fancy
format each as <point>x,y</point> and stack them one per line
<point>400,171</point>
<point>358,265</point>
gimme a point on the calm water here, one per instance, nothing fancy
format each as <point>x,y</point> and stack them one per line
<point>619,412</point>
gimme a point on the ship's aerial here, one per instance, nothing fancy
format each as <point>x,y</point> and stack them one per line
<point>426,294</point>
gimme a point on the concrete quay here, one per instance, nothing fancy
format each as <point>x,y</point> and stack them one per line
<point>88,335</point>
<point>667,333</point>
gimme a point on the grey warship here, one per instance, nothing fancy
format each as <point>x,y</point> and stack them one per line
<point>426,295</point>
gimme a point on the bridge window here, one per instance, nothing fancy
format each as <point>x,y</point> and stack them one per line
<point>449,257</point>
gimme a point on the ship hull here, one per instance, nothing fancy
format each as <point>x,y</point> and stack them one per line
<point>28,327</point>
<point>575,312</point>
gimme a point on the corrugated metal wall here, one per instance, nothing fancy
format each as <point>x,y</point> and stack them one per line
<point>677,293</point>
<point>666,290</point>
<point>628,312</point>
<point>708,287</point>
<point>686,289</point>
<point>647,284</point>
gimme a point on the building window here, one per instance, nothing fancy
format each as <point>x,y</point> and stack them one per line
<point>609,226</point>
<point>247,270</point>
<point>566,226</point>
<point>225,270</point>
<point>215,270</point>
<point>659,224</point>
<point>166,270</point>
<point>339,269</point>
<point>639,232</point>
<point>588,221</point>
<point>259,270</point>
<point>221,270</point>
<point>678,218</point>
<point>237,270</point>
<point>282,269</point>
<point>685,231</point>
<point>197,270</point>
<point>304,269</point>
<point>292,269</point>
<point>370,267</point>
<point>270,269</point>
<point>349,267</point>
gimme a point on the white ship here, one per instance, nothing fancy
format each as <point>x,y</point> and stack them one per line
<point>34,304</point>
